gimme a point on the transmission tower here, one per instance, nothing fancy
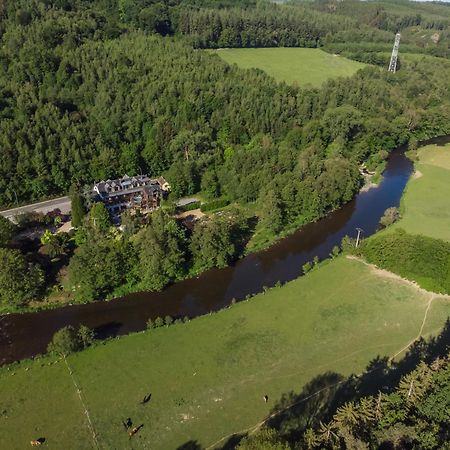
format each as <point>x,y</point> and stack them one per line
<point>394,56</point>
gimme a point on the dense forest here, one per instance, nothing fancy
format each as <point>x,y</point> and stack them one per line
<point>94,90</point>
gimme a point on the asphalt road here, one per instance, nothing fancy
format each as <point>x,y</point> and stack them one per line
<point>62,203</point>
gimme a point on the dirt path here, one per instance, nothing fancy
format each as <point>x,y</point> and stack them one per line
<point>381,273</point>
<point>393,276</point>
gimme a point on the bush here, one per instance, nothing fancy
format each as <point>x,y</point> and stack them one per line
<point>168,320</point>
<point>86,336</point>
<point>390,216</point>
<point>159,322</point>
<point>419,258</point>
<point>215,204</point>
<point>307,267</point>
<point>65,341</point>
<point>189,207</point>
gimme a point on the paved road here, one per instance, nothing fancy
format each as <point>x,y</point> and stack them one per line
<point>62,203</point>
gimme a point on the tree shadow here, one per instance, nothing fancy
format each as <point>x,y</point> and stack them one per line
<point>325,393</point>
<point>190,445</point>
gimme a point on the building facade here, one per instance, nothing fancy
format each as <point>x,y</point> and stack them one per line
<point>138,193</point>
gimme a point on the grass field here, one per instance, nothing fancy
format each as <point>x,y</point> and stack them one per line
<point>207,377</point>
<point>426,202</point>
<point>304,66</point>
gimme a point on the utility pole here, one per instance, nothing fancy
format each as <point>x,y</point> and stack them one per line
<point>394,56</point>
<point>359,230</point>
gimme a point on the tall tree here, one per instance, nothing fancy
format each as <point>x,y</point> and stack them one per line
<point>20,281</point>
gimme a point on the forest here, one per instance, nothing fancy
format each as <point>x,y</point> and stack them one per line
<point>94,90</point>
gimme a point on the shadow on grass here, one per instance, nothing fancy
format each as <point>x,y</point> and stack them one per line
<point>325,393</point>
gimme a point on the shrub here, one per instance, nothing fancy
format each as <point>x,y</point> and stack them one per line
<point>189,207</point>
<point>65,341</point>
<point>215,204</point>
<point>168,320</point>
<point>419,258</point>
<point>390,216</point>
<point>306,267</point>
<point>159,322</point>
<point>86,336</point>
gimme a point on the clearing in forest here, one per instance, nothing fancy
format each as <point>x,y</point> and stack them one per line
<point>207,377</point>
<point>426,202</point>
<point>304,66</point>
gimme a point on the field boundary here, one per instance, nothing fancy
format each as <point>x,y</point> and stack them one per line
<point>379,272</point>
<point>91,426</point>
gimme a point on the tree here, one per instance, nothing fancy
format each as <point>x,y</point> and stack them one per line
<point>64,341</point>
<point>271,213</point>
<point>7,230</point>
<point>99,217</point>
<point>20,281</point>
<point>390,216</point>
<point>212,244</point>
<point>162,252</point>
<point>97,267</point>
<point>78,209</point>
<point>86,336</point>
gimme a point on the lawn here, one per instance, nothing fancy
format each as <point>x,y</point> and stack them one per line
<point>304,66</point>
<point>426,202</point>
<point>207,377</point>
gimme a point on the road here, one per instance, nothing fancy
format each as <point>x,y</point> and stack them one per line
<point>62,203</point>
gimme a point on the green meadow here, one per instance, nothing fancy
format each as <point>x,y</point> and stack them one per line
<point>303,66</point>
<point>208,377</point>
<point>426,202</point>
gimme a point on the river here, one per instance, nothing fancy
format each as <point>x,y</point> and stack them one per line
<point>25,335</point>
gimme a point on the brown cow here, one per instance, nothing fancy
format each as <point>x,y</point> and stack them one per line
<point>135,430</point>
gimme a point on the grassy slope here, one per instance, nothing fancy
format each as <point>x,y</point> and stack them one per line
<point>426,203</point>
<point>207,377</point>
<point>302,65</point>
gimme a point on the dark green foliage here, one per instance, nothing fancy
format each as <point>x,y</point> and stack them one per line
<point>414,415</point>
<point>189,206</point>
<point>97,267</point>
<point>162,252</point>
<point>7,230</point>
<point>419,258</point>
<point>65,341</point>
<point>20,281</point>
<point>159,322</point>
<point>78,209</point>
<point>86,336</point>
<point>212,244</point>
<point>214,204</point>
<point>99,217</point>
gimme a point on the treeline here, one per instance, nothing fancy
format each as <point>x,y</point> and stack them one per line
<point>109,107</point>
<point>149,256</point>
<point>415,257</point>
<point>413,415</point>
<point>266,25</point>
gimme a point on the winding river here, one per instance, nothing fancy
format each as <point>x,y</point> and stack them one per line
<point>25,335</point>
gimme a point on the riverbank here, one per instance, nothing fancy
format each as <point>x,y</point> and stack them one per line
<point>207,377</point>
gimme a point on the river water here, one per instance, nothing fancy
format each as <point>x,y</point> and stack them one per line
<point>25,335</point>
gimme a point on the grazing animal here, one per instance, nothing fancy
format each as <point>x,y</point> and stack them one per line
<point>146,399</point>
<point>266,398</point>
<point>37,442</point>
<point>135,430</point>
<point>128,423</point>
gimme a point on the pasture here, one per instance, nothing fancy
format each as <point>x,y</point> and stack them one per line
<point>302,66</point>
<point>426,202</point>
<point>208,377</point>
